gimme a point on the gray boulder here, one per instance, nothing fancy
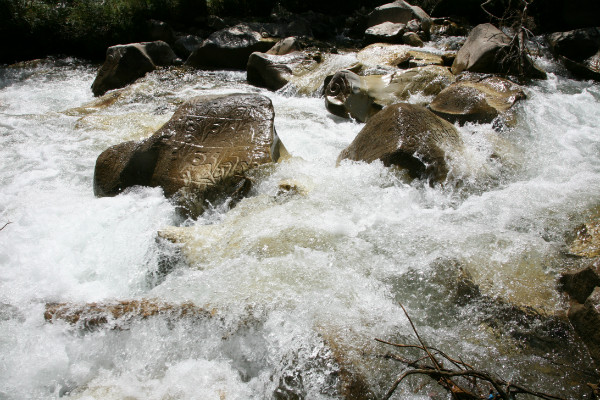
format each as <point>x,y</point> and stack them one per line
<point>386,32</point>
<point>399,12</point>
<point>408,136</point>
<point>579,50</point>
<point>126,63</point>
<point>229,48</point>
<point>185,45</point>
<point>488,50</point>
<point>199,155</point>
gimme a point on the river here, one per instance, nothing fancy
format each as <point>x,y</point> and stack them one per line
<point>299,285</point>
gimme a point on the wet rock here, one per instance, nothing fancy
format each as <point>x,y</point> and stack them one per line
<point>396,56</point>
<point>585,318</point>
<point>399,12</point>
<point>407,136</point>
<point>199,155</point>
<point>186,45</point>
<point>487,50</point>
<point>275,71</point>
<point>126,63</point>
<point>305,72</point>
<point>229,48</point>
<point>587,241</point>
<point>349,95</point>
<point>386,32</point>
<point>581,283</point>
<point>476,101</point>
<point>285,46</point>
<point>412,39</point>
<point>579,50</point>
<point>118,315</point>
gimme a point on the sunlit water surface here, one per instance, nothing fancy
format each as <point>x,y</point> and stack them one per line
<point>300,284</point>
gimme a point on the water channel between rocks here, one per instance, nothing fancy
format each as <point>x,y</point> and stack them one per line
<point>299,285</point>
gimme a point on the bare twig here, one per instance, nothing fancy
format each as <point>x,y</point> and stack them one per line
<point>447,377</point>
<point>5,225</point>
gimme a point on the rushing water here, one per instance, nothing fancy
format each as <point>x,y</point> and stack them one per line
<point>299,284</point>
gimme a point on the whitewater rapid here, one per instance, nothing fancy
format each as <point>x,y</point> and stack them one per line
<point>300,284</point>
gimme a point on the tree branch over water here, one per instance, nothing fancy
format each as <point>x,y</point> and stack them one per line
<point>461,380</point>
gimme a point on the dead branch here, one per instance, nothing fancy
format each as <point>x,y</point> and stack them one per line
<point>432,367</point>
<point>5,225</point>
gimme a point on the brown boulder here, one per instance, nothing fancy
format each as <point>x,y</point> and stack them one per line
<point>200,154</point>
<point>476,101</point>
<point>349,95</point>
<point>408,136</point>
<point>487,50</point>
<point>229,48</point>
<point>128,62</point>
<point>581,283</point>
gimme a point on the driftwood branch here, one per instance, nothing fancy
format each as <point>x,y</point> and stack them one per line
<point>448,378</point>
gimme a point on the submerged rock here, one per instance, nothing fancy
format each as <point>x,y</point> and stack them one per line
<point>118,314</point>
<point>407,136</point>
<point>199,155</point>
<point>396,56</point>
<point>360,97</point>
<point>128,62</point>
<point>229,48</point>
<point>476,101</point>
<point>487,50</point>
<point>579,50</point>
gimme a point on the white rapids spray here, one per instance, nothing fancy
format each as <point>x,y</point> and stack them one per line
<point>301,284</point>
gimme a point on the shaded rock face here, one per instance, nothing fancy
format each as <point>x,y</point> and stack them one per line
<point>486,50</point>
<point>476,101</point>
<point>229,48</point>
<point>185,45</point>
<point>407,136</point>
<point>579,50</point>
<point>399,12</point>
<point>585,318</point>
<point>349,95</point>
<point>200,154</point>
<point>126,63</point>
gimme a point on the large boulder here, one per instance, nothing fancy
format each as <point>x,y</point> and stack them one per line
<point>360,97</point>
<point>408,136</point>
<point>126,63</point>
<point>199,155</point>
<point>229,48</point>
<point>489,50</point>
<point>479,101</point>
<point>579,50</point>
<point>386,32</point>
<point>399,12</point>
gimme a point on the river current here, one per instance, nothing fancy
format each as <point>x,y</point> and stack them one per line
<point>299,285</point>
